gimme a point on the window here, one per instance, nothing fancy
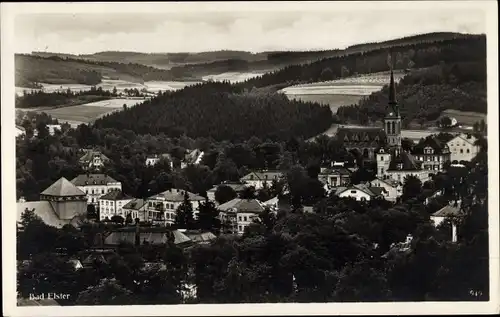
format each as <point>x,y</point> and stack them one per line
<point>468,151</point>
<point>461,151</point>
<point>102,191</point>
<point>239,218</point>
<point>381,158</point>
<point>245,218</point>
<point>353,192</point>
<point>92,191</point>
<point>381,170</point>
<point>239,228</point>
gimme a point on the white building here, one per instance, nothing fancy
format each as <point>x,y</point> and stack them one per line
<point>463,147</point>
<point>448,212</point>
<point>361,192</point>
<point>241,213</point>
<point>20,131</point>
<point>152,160</point>
<point>112,203</point>
<point>162,207</point>
<point>393,188</point>
<point>93,160</point>
<point>96,185</point>
<point>258,179</point>
<point>137,208</point>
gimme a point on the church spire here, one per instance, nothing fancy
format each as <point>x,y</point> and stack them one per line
<point>392,95</point>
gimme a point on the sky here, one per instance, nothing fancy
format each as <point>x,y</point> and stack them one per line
<point>312,28</point>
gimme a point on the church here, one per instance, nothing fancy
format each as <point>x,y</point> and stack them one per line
<point>393,162</point>
<point>384,144</point>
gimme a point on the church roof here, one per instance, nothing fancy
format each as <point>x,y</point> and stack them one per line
<point>63,188</point>
<point>368,136</point>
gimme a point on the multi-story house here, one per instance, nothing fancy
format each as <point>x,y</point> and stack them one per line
<point>335,176</point>
<point>112,203</point>
<point>257,179</point>
<point>463,147</point>
<point>394,189</point>
<point>137,208</point>
<point>93,160</point>
<point>96,185</point>
<point>240,213</point>
<point>361,192</point>
<point>162,208</point>
<point>432,153</point>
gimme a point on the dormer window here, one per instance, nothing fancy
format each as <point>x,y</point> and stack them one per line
<point>346,138</point>
<point>400,166</point>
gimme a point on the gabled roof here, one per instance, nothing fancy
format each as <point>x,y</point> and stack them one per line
<point>242,205</point>
<point>432,142</point>
<point>335,171</point>
<point>177,195</point>
<point>372,191</point>
<point>368,136</point>
<point>135,204</point>
<point>465,137</point>
<point>93,179</point>
<point>261,175</point>
<point>409,163</point>
<point>63,188</point>
<point>89,156</point>
<point>200,237</point>
<point>389,181</point>
<point>448,211</point>
<point>115,195</point>
<point>272,201</point>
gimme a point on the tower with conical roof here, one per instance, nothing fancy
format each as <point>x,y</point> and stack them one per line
<point>392,120</point>
<point>66,199</point>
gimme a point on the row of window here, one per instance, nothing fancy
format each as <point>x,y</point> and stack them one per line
<point>96,191</point>
<point>461,151</point>
<point>167,205</point>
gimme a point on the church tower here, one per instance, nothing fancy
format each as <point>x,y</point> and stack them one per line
<point>392,121</point>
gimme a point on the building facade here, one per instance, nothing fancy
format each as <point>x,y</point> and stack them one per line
<point>463,148</point>
<point>432,153</point>
<point>93,160</point>
<point>361,192</point>
<point>394,189</point>
<point>335,177</point>
<point>112,203</point>
<point>162,208</point>
<point>240,213</point>
<point>259,179</point>
<point>137,208</point>
<point>95,186</point>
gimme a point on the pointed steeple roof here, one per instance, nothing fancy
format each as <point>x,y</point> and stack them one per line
<point>63,187</point>
<point>393,104</point>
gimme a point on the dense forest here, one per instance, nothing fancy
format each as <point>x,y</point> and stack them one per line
<point>424,94</point>
<point>68,98</point>
<point>223,112</point>
<point>468,49</point>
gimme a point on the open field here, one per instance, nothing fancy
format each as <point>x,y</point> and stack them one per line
<point>465,117</point>
<point>89,112</point>
<point>233,77</point>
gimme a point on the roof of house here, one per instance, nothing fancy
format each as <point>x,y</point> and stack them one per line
<point>44,210</point>
<point>151,236</point>
<point>177,195</point>
<point>159,156</point>
<point>115,195</point>
<point>389,181</point>
<point>368,136</point>
<point>407,161</point>
<point>194,157</point>
<point>369,190</point>
<point>93,179</point>
<point>335,171</point>
<point>135,204</point>
<point>272,201</point>
<point>63,188</point>
<point>262,175</point>
<point>448,211</point>
<point>466,137</point>
<point>242,205</point>
<point>198,236</point>
<point>433,142</point>
<point>237,187</point>
<point>20,128</point>
<point>89,156</point>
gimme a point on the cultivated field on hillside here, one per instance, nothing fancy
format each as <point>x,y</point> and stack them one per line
<point>465,117</point>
